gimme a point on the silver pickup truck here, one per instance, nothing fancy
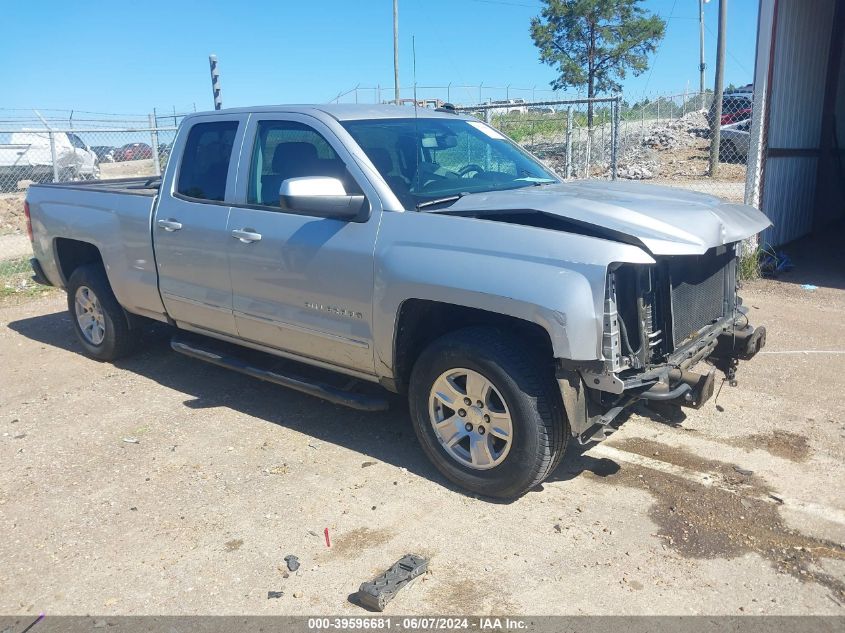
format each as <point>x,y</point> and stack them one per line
<point>348,250</point>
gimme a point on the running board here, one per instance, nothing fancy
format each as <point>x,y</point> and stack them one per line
<point>336,395</point>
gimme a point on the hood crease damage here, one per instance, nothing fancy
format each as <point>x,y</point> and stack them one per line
<point>663,220</point>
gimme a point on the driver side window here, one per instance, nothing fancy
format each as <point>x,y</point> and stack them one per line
<point>289,149</point>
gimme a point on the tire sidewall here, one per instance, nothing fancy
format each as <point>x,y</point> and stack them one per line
<point>511,476</point>
<point>95,280</point>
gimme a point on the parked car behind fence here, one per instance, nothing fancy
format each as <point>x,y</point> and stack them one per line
<point>133,151</point>
<point>28,155</point>
<point>734,142</point>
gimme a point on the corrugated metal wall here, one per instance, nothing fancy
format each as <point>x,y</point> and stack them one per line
<point>799,63</point>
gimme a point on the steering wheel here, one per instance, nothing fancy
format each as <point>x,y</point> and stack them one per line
<point>468,169</point>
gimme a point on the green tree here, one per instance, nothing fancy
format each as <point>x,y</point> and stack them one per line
<point>594,43</point>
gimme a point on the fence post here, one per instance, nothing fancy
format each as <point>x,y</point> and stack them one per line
<point>568,142</point>
<point>53,156</point>
<point>488,116</point>
<point>642,124</point>
<point>154,139</point>
<point>602,136</point>
<point>588,153</point>
<point>614,150</point>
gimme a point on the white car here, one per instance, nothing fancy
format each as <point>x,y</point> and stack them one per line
<point>27,155</point>
<point>734,142</point>
<point>509,106</point>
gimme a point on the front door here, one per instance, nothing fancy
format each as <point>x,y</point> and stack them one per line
<point>189,229</point>
<point>300,283</point>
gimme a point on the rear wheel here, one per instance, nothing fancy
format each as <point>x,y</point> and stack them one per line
<point>727,152</point>
<point>487,411</point>
<point>99,321</point>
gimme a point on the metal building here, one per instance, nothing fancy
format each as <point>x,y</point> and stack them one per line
<point>796,169</point>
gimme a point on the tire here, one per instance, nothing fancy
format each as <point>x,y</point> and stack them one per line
<point>521,383</point>
<point>112,337</point>
<point>727,152</point>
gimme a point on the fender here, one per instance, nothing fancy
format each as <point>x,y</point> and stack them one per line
<point>551,278</point>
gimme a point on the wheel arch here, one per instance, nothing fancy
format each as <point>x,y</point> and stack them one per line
<point>419,322</point>
<point>71,254</point>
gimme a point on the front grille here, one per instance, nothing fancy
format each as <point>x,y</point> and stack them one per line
<point>702,290</point>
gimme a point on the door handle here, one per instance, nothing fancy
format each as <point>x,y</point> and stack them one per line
<point>246,236</point>
<point>169,225</point>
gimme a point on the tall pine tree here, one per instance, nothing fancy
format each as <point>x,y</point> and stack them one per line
<point>594,43</point>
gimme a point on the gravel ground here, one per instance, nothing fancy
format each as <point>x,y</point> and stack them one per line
<point>161,485</point>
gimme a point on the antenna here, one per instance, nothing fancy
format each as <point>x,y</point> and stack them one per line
<point>414,51</point>
<point>418,148</point>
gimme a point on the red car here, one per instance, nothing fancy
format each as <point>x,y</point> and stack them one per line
<point>736,107</point>
<point>133,151</point>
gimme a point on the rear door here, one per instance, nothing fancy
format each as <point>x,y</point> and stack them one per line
<point>301,284</point>
<point>189,228</point>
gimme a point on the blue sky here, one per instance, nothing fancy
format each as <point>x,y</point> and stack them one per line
<point>129,58</point>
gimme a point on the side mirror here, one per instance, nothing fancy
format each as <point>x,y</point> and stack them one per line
<point>323,197</point>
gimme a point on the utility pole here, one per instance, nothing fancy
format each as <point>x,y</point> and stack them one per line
<point>701,64</point>
<point>215,84</point>
<point>716,125</point>
<point>397,96</point>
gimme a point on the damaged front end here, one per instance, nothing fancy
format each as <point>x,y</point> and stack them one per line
<point>659,322</point>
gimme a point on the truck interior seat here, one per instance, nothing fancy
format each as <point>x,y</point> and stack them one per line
<point>297,160</point>
<point>383,161</point>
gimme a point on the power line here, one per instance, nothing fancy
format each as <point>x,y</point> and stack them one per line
<point>659,46</point>
<point>731,55</point>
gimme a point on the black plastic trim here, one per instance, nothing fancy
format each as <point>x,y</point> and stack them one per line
<point>38,276</point>
<point>360,401</point>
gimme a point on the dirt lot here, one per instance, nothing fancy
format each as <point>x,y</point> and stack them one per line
<point>161,485</point>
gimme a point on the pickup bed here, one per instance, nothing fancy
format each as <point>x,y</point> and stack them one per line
<point>426,255</point>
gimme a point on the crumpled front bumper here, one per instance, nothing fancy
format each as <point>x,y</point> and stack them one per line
<point>672,383</point>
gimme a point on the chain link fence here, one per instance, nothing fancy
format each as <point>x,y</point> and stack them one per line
<point>38,149</point>
<point>664,140</point>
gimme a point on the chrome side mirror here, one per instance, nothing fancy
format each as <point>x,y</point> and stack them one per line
<point>323,197</point>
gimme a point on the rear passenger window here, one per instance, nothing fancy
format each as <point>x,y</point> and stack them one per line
<point>289,149</point>
<point>205,161</point>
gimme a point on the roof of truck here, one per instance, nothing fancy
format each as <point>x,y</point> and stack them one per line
<point>344,111</point>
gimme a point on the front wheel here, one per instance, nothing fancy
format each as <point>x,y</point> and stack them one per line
<point>487,411</point>
<point>99,321</point>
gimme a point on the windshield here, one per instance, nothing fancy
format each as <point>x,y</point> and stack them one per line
<point>429,159</point>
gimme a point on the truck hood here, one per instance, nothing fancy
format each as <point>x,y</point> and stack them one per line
<point>664,220</point>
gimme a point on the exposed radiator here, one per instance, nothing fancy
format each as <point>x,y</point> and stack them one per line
<point>702,290</point>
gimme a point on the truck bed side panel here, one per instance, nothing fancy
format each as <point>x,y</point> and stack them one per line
<point>117,223</point>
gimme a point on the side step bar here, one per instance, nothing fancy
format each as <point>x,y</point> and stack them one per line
<point>360,401</point>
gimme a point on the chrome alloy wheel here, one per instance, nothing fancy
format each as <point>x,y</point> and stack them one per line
<point>470,419</point>
<point>89,315</point>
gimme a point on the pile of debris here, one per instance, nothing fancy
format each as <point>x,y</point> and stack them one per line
<point>646,152</point>
<point>637,171</point>
<point>680,132</point>
<point>660,138</point>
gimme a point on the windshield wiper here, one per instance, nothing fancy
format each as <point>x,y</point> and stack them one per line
<point>431,203</point>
